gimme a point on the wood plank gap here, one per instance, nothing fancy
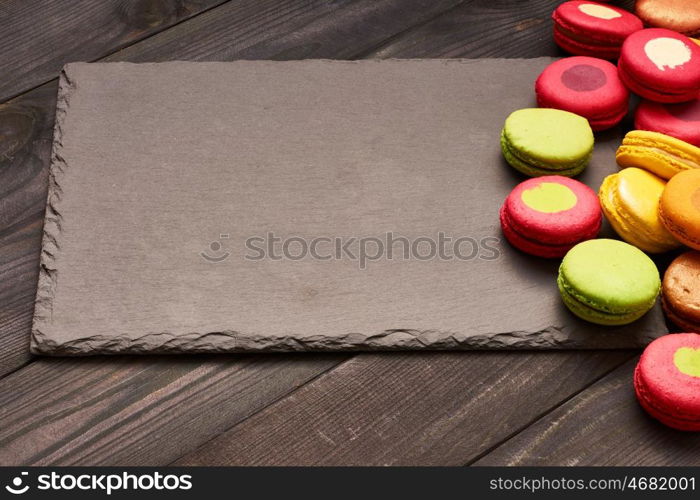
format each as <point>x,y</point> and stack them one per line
<point>319,375</point>
<point>364,54</point>
<point>549,411</point>
<point>119,48</point>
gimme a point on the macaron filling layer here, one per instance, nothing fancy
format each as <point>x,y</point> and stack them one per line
<point>602,313</point>
<point>661,154</point>
<point>533,166</point>
<point>680,231</point>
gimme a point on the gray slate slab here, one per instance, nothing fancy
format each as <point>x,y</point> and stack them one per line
<point>162,173</point>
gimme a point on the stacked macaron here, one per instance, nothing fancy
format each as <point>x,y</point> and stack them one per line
<point>587,86</point>
<point>659,153</point>
<point>680,120</point>
<point>653,202</point>
<point>592,29</point>
<point>661,65</point>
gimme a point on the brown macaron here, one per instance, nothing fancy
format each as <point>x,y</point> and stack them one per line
<point>677,15</point>
<point>681,292</point>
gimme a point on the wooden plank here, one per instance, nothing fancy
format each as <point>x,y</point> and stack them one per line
<point>604,425</point>
<point>407,409</point>
<point>483,28</point>
<point>137,411</point>
<point>26,133</point>
<point>38,36</point>
<point>286,30</point>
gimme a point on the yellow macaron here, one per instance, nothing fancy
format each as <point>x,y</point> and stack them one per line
<point>658,153</point>
<point>630,202</point>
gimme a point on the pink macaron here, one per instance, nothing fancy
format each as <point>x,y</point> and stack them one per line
<point>593,29</point>
<point>546,216</point>
<point>661,65</point>
<point>667,380</point>
<point>587,86</point>
<point>681,120</point>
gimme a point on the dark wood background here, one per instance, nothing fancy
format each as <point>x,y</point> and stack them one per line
<point>565,408</point>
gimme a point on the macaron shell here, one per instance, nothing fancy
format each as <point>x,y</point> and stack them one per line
<point>681,291</point>
<point>646,402</point>
<point>658,93</point>
<point>565,216</point>
<point>586,86</point>
<point>610,276</point>
<point>521,242</point>
<point>681,120</point>
<point>664,382</point>
<point>630,201</point>
<point>592,29</point>
<point>661,154</point>
<point>590,313</point>
<point>662,61</point>
<point>547,140</point>
<point>677,15</point>
<point>573,46</point>
<point>679,208</point>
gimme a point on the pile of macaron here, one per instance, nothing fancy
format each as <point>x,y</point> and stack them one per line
<point>652,201</point>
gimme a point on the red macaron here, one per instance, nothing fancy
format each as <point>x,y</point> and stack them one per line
<point>661,65</point>
<point>593,29</point>
<point>546,216</point>
<point>587,86</point>
<point>667,380</point>
<point>681,120</point>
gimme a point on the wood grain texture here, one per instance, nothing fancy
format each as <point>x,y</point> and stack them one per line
<point>38,36</point>
<point>408,409</point>
<point>285,30</point>
<point>26,130</point>
<point>137,411</point>
<point>603,425</point>
<point>483,28</point>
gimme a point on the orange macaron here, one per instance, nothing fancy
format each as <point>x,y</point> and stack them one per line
<point>679,207</point>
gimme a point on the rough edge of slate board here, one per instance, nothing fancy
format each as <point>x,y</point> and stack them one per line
<point>551,337</point>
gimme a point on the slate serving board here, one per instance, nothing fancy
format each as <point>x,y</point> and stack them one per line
<point>162,173</point>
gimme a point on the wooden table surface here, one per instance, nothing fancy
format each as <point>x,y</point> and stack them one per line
<point>484,408</point>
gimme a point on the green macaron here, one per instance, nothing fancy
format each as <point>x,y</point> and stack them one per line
<point>543,141</point>
<point>608,282</point>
